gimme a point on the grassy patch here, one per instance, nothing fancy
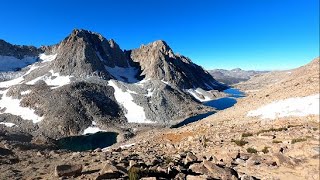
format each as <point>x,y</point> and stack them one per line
<point>265,150</point>
<point>136,173</point>
<point>246,134</point>
<point>293,141</point>
<point>168,160</point>
<point>290,126</point>
<point>252,150</point>
<point>314,128</point>
<point>276,141</point>
<point>272,130</point>
<point>240,142</point>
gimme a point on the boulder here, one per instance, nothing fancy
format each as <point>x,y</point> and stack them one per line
<point>190,158</point>
<point>218,172</point>
<point>68,170</point>
<point>109,172</point>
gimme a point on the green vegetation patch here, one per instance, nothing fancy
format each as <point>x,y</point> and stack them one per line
<point>252,150</point>
<point>276,141</point>
<point>272,130</point>
<point>240,142</point>
<point>265,150</point>
<point>246,134</point>
<point>293,141</point>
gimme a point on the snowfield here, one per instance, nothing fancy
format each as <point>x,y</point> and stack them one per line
<point>12,106</point>
<point>54,80</point>
<point>19,80</point>
<point>123,74</point>
<point>47,58</point>
<point>300,106</point>
<point>127,74</point>
<point>8,124</point>
<point>195,93</point>
<point>134,113</point>
<point>10,63</point>
<point>92,130</point>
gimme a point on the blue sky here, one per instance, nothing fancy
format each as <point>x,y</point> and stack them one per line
<point>250,34</point>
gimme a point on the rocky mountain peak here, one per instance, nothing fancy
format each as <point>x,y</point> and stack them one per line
<point>158,61</point>
<point>84,53</point>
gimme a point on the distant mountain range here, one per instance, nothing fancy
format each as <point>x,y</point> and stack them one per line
<point>233,76</point>
<point>88,83</point>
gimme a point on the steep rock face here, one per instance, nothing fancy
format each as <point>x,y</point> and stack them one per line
<point>158,61</point>
<point>85,53</point>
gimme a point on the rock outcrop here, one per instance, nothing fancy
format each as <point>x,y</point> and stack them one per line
<point>158,61</point>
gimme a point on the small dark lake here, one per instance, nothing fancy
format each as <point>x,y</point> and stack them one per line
<point>219,104</point>
<point>88,142</point>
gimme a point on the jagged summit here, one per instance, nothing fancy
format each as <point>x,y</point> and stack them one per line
<point>84,53</point>
<point>158,61</point>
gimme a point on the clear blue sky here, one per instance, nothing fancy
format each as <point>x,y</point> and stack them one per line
<point>250,34</point>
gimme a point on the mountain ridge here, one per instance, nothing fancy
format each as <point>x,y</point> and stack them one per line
<point>71,79</point>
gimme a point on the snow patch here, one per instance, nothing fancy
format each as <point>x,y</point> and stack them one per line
<point>92,130</point>
<point>134,113</point>
<point>300,106</point>
<point>47,58</point>
<point>12,82</point>
<point>55,79</point>
<point>12,106</point>
<point>8,124</point>
<point>142,82</point>
<point>25,92</point>
<point>10,63</point>
<point>165,82</point>
<point>127,146</point>
<point>196,92</point>
<point>123,74</point>
<point>150,92</point>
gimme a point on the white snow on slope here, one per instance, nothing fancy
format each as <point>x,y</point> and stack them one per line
<point>8,124</point>
<point>300,106</point>
<point>195,93</point>
<point>12,106</point>
<point>55,79</point>
<point>123,74</point>
<point>165,82</point>
<point>127,74</point>
<point>10,63</point>
<point>91,130</point>
<point>25,92</point>
<point>47,58</point>
<point>134,113</point>
<point>127,145</point>
<point>6,84</point>
<point>19,80</point>
<point>150,92</point>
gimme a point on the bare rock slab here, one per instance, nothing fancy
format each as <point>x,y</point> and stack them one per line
<point>68,170</point>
